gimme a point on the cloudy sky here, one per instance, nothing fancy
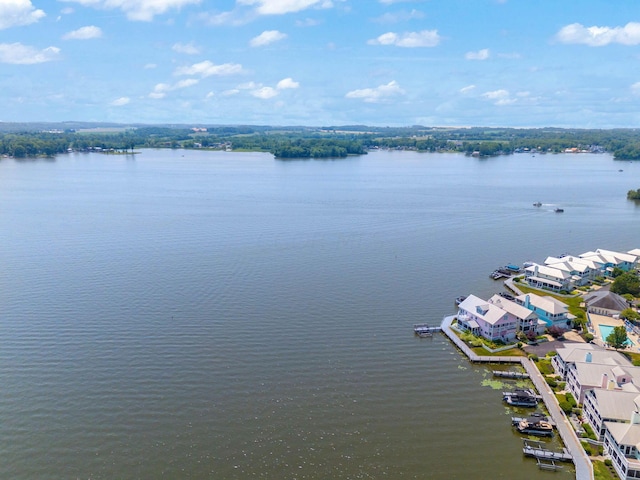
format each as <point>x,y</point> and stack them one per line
<point>562,63</point>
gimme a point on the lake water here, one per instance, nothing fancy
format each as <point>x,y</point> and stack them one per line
<point>186,314</point>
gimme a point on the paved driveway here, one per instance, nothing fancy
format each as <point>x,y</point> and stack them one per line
<point>545,347</point>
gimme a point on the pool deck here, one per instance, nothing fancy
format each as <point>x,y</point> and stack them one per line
<point>584,467</point>
<point>594,327</point>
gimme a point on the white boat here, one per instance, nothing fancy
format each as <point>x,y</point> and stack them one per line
<point>535,425</point>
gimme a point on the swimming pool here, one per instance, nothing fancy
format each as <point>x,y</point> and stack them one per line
<point>605,331</point>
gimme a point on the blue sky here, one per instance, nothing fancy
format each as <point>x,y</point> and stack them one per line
<point>322,62</point>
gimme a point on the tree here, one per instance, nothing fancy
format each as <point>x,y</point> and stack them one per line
<point>618,337</point>
<point>628,282</point>
<point>555,331</point>
<point>630,314</point>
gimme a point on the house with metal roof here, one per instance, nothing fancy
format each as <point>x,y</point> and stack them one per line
<point>582,271</point>
<point>548,278</point>
<point>611,260</point>
<point>586,367</point>
<point>622,444</point>
<point>552,311</point>
<point>603,405</point>
<point>527,320</point>
<point>482,318</point>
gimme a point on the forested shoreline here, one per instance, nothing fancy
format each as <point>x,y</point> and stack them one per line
<point>321,142</point>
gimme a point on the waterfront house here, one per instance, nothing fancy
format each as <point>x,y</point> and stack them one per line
<point>622,442</point>
<point>582,271</point>
<point>553,312</point>
<point>611,260</point>
<point>570,353</point>
<point>484,319</point>
<point>601,405</point>
<point>526,320</point>
<point>635,252</point>
<point>584,376</point>
<point>587,367</point>
<point>548,278</point>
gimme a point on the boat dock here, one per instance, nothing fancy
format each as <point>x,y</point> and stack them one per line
<point>535,449</point>
<point>547,464</point>
<point>573,451</point>
<point>425,330</point>
<point>510,374</point>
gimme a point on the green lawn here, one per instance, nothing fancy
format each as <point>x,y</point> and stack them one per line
<point>512,352</point>
<point>573,302</point>
<point>602,472</point>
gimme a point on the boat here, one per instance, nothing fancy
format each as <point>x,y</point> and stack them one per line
<point>537,204</point>
<point>535,425</point>
<point>513,268</point>
<point>460,299</point>
<point>559,210</point>
<point>423,331</point>
<point>521,397</point>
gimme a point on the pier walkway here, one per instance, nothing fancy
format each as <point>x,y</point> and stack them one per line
<point>584,467</point>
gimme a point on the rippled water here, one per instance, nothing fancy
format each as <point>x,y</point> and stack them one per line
<point>188,314</point>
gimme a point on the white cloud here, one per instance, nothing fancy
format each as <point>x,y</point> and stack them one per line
<point>14,13</point>
<point>279,7</point>
<point>141,10</point>
<point>635,88</point>
<point>374,95</point>
<point>510,56</point>
<point>161,89</point>
<point>187,82</point>
<point>307,22</point>
<point>186,48</point>
<point>499,97</point>
<point>119,102</point>
<point>150,66</point>
<point>207,69</point>
<point>401,16</point>
<point>425,38</point>
<point>467,89</point>
<point>229,93</point>
<point>84,33</point>
<point>248,86</point>
<point>19,54</point>
<point>267,37</point>
<point>286,83</point>
<point>600,36</point>
<point>264,92</point>
<point>479,55</point>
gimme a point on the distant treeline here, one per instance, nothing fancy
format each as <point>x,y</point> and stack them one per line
<point>306,142</point>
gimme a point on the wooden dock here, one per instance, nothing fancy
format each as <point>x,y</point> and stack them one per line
<point>510,374</point>
<point>425,330</point>
<point>547,464</point>
<point>535,449</point>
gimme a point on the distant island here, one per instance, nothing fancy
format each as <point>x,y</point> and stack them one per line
<point>633,194</point>
<point>21,140</point>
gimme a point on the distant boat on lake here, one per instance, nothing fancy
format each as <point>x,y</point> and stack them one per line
<point>537,204</point>
<point>559,210</point>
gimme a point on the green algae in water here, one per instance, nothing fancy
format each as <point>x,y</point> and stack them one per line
<point>493,383</point>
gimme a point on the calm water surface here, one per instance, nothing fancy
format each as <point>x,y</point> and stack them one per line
<point>198,315</point>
